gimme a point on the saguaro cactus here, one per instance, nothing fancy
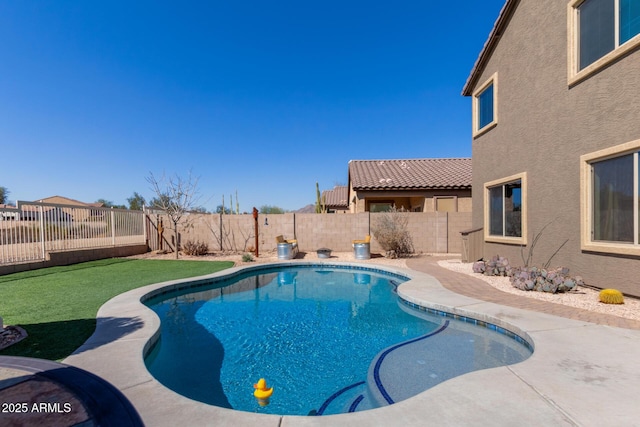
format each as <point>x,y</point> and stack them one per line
<point>320,202</point>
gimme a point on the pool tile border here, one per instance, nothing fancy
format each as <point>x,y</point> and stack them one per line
<point>184,286</point>
<point>471,320</point>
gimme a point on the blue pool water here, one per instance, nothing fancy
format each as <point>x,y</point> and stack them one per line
<point>329,340</point>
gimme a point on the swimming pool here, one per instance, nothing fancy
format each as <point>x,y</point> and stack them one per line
<point>329,339</point>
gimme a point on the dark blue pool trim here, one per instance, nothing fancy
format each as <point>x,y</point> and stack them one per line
<point>395,285</point>
<point>473,321</point>
<point>376,369</point>
<point>331,398</point>
<point>355,403</point>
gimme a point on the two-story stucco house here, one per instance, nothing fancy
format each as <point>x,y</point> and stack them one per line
<point>556,137</point>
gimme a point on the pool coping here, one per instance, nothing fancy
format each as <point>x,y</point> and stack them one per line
<point>581,373</point>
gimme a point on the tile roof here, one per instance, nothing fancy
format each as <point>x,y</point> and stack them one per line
<point>336,197</point>
<point>412,174</point>
<point>61,200</point>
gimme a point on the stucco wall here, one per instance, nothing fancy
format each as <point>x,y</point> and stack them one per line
<point>544,126</point>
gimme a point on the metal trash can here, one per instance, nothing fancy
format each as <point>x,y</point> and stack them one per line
<point>285,251</point>
<point>361,251</point>
<point>324,253</point>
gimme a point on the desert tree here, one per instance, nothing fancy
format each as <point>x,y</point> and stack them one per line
<point>176,196</point>
<point>269,209</point>
<point>109,204</point>
<point>221,209</point>
<point>4,195</point>
<point>136,202</point>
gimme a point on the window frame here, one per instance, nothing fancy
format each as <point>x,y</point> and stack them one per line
<point>477,131</point>
<point>390,203</point>
<point>587,243</point>
<point>435,202</point>
<point>575,75</point>
<point>522,240</point>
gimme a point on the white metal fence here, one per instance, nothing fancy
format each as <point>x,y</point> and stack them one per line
<point>32,229</point>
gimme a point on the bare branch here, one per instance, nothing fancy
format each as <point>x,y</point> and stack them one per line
<point>175,195</point>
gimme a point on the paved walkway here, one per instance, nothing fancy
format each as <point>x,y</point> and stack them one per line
<point>464,284</point>
<point>37,392</point>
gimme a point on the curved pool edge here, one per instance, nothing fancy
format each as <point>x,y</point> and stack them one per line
<point>115,353</point>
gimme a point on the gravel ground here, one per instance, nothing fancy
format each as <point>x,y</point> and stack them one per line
<point>585,298</point>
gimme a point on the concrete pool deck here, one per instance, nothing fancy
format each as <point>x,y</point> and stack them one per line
<point>584,370</point>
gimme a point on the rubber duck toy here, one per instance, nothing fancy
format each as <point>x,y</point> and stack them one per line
<point>262,393</point>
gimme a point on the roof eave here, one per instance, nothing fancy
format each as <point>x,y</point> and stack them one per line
<point>494,37</point>
<point>447,187</point>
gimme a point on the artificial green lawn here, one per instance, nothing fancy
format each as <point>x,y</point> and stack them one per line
<point>57,306</point>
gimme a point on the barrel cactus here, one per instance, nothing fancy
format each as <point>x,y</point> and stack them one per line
<point>611,296</point>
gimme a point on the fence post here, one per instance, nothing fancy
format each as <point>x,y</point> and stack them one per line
<point>144,225</point>
<point>113,227</point>
<point>446,232</point>
<point>42,234</point>
<point>255,220</point>
<point>221,230</point>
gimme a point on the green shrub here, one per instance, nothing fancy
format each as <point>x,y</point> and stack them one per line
<point>247,258</point>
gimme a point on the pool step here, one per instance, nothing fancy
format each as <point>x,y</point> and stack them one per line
<point>406,369</point>
<point>351,398</point>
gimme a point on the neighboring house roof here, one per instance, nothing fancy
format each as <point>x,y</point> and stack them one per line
<point>413,174</point>
<point>494,37</point>
<point>68,201</point>
<point>336,198</point>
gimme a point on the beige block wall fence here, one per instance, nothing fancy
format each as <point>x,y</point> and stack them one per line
<point>432,232</point>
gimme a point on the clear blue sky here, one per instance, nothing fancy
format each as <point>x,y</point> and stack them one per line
<point>262,97</point>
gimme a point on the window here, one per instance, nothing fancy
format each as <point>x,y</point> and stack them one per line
<point>609,200</point>
<point>601,32</point>
<point>485,108</point>
<point>505,210</point>
<point>597,30</point>
<point>380,206</point>
<point>629,20</point>
<point>612,182</point>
